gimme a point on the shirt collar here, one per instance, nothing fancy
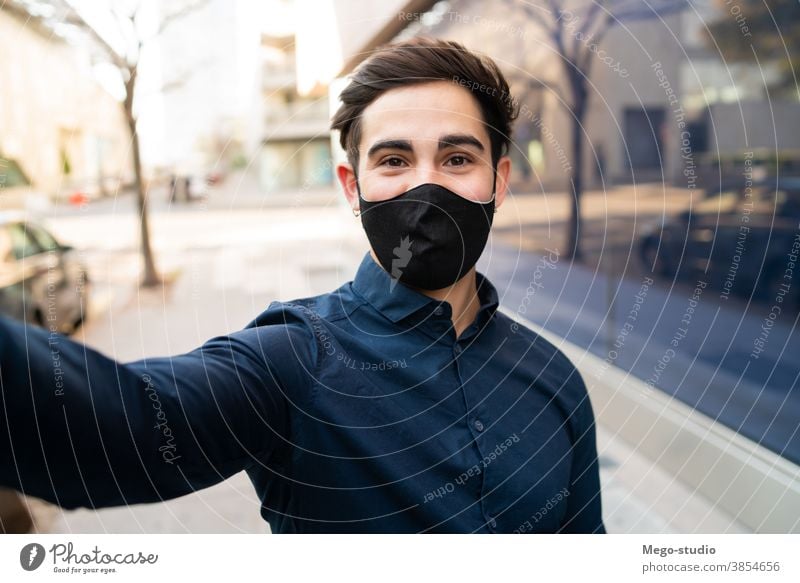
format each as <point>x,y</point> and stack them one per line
<point>397,301</point>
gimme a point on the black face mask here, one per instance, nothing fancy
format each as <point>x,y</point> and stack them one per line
<point>428,237</point>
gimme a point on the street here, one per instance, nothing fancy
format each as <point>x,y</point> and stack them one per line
<point>225,259</point>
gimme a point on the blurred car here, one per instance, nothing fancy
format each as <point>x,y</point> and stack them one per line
<point>736,240</point>
<point>41,281</point>
<point>16,191</point>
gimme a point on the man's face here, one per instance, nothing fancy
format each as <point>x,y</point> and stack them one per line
<point>431,132</point>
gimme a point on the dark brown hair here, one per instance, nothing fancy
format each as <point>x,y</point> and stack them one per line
<point>421,60</point>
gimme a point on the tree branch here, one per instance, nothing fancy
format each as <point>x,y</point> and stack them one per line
<point>75,19</point>
<point>184,11</point>
<point>127,30</point>
<point>591,14</point>
<point>533,12</point>
<point>597,38</point>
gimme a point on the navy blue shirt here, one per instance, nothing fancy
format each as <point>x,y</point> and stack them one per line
<point>352,411</point>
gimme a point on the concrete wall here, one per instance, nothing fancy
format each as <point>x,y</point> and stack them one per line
<point>755,124</point>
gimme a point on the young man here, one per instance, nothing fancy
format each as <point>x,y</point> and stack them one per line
<point>401,402</point>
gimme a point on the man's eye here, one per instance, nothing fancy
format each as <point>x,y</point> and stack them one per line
<point>459,160</point>
<point>393,161</point>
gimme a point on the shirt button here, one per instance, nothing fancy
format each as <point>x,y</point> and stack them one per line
<point>439,311</point>
<point>457,349</point>
<point>478,424</point>
<point>492,523</point>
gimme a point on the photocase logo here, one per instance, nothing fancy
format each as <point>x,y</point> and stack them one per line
<point>31,556</point>
<point>402,254</point>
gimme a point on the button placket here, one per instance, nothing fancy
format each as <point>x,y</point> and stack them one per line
<point>477,427</point>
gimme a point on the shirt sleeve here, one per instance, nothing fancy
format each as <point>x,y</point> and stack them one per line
<point>584,508</point>
<point>80,429</point>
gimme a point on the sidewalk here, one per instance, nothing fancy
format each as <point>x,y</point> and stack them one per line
<point>248,260</point>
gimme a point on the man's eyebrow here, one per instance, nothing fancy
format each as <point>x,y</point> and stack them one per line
<point>447,141</point>
<point>460,140</point>
<point>404,145</point>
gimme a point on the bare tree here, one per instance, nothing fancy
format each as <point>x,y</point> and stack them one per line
<point>575,30</point>
<point>127,61</point>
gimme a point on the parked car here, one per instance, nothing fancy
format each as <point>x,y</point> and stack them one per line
<point>41,281</point>
<point>738,240</point>
<point>16,190</point>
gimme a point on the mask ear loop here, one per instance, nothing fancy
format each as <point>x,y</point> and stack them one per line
<point>357,212</point>
<point>494,186</point>
<point>494,189</point>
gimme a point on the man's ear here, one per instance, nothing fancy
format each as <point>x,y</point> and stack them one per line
<point>347,178</point>
<point>501,185</point>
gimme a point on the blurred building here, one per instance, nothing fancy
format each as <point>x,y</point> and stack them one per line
<point>209,68</point>
<point>296,149</point>
<point>60,128</point>
<point>231,98</point>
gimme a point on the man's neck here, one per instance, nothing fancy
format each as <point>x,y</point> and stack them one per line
<point>462,297</point>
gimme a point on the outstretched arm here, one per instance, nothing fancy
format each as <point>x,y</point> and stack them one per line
<point>80,429</point>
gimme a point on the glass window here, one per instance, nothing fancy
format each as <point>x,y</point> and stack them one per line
<point>44,240</point>
<point>6,247</point>
<point>22,244</point>
<point>11,174</point>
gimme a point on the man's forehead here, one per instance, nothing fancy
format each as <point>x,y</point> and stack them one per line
<point>422,112</point>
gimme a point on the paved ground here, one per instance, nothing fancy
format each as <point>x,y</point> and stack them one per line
<point>226,261</point>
